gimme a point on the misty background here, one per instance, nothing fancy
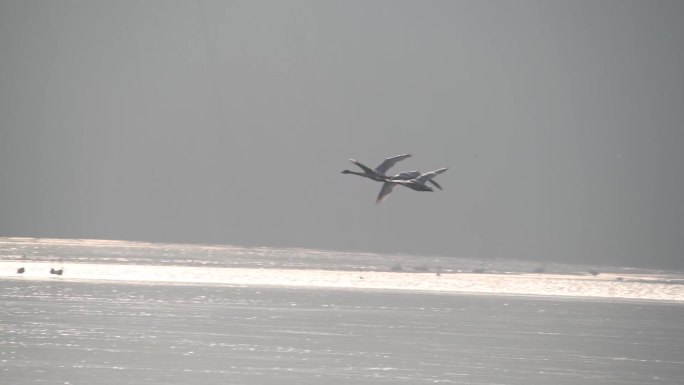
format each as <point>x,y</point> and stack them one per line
<point>229,122</point>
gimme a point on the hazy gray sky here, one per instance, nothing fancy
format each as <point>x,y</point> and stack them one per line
<point>561,123</point>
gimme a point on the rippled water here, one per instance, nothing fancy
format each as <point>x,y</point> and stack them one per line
<point>82,333</point>
<point>57,331</point>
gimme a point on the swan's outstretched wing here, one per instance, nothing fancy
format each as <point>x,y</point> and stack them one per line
<point>389,162</point>
<point>436,184</point>
<point>423,178</point>
<point>386,189</point>
<point>365,168</point>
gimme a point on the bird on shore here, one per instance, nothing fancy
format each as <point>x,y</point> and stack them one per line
<point>21,270</point>
<point>418,183</point>
<point>377,174</point>
<point>58,272</point>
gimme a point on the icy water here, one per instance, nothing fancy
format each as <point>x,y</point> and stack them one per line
<point>59,330</point>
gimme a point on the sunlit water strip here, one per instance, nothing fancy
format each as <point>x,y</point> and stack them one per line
<point>603,286</point>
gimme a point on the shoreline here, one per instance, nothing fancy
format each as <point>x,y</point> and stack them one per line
<point>608,286</point>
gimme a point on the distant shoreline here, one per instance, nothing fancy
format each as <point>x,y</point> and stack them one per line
<point>226,255</point>
<point>639,287</point>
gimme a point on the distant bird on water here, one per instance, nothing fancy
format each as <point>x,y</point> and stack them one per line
<point>21,270</point>
<point>58,272</point>
<point>417,183</point>
<point>377,174</point>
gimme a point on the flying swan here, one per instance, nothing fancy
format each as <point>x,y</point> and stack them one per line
<point>412,179</point>
<point>379,173</point>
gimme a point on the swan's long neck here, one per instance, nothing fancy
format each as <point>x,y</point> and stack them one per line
<point>354,172</point>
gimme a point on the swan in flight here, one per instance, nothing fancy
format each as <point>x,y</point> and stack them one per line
<point>412,179</point>
<point>408,175</point>
<point>379,173</point>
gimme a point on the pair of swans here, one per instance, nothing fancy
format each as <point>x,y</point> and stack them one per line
<point>412,179</point>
